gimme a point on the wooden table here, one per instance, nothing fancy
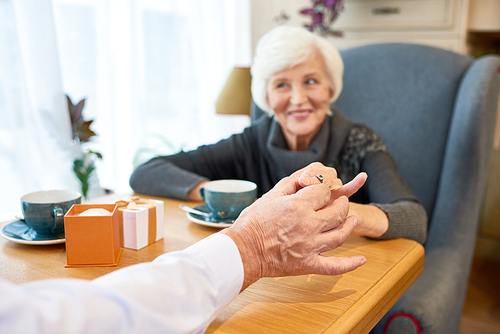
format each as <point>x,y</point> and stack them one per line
<point>349,303</point>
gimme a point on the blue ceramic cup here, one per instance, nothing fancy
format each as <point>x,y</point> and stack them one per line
<point>44,211</point>
<point>227,198</point>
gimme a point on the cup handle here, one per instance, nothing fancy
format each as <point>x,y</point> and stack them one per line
<point>202,194</point>
<point>58,215</point>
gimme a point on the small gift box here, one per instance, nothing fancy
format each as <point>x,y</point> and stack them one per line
<point>141,222</point>
<point>92,240</point>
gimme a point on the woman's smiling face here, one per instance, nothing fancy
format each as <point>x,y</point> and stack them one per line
<point>300,99</point>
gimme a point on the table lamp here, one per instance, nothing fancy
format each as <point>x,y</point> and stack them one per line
<point>236,97</point>
<point>484,15</point>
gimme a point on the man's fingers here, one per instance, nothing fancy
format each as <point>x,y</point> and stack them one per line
<point>310,169</point>
<point>333,214</point>
<point>330,265</point>
<point>337,235</point>
<point>318,196</point>
<point>291,184</point>
<point>286,186</point>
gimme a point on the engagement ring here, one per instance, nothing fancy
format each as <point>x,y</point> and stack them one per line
<point>319,177</point>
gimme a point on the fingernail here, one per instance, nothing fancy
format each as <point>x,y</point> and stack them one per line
<point>363,261</point>
<point>306,180</point>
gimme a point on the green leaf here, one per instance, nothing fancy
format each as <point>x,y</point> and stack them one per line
<point>97,154</point>
<point>83,173</point>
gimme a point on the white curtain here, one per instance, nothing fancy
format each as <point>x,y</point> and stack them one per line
<point>35,146</point>
<point>150,72</point>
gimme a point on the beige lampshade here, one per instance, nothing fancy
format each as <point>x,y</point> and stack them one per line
<point>484,15</point>
<point>236,97</point>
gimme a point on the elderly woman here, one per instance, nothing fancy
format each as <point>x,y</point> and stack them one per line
<point>296,75</point>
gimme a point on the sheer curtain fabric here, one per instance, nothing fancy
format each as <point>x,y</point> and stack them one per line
<point>150,72</point>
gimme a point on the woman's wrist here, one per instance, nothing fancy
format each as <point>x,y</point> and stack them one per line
<point>372,222</point>
<point>194,194</point>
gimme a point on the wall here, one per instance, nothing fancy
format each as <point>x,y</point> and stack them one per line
<point>440,23</point>
<point>264,15</point>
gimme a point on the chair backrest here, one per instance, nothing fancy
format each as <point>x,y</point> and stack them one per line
<point>417,99</point>
<point>406,93</point>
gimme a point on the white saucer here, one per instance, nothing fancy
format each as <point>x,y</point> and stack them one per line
<point>19,232</point>
<point>199,219</point>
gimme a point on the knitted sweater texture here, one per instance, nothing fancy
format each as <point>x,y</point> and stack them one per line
<point>260,154</point>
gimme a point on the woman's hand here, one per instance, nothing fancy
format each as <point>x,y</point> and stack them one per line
<point>372,222</point>
<point>194,194</point>
<point>317,173</point>
<point>307,177</point>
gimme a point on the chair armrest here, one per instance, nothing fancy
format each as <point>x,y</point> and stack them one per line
<point>436,298</point>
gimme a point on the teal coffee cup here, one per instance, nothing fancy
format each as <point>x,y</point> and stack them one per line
<point>44,211</point>
<point>227,198</point>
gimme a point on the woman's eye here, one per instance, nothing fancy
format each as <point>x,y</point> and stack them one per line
<point>310,81</point>
<point>281,85</point>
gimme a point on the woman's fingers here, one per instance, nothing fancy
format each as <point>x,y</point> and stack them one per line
<point>350,188</point>
<point>309,177</point>
<point>317,173</point>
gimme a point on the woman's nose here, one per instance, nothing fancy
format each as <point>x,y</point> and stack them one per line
<point>298,96</point>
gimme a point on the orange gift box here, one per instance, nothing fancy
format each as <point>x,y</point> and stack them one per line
<point>141,222</point>
<point>92,240</point>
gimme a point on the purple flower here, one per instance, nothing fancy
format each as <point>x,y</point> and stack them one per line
<point>323,13</point>
<point>317,18</point>
<point>329,3</point>
<point>307,11</point>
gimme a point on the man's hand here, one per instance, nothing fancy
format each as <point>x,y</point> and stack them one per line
<point>284,232</point>
<point>307,176</point>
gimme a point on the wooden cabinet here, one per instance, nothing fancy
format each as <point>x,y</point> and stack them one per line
<point>440,23</point>
<point>370,15</point>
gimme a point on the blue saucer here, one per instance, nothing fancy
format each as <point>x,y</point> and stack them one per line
<point>207,221</point>
<point>19,232</point>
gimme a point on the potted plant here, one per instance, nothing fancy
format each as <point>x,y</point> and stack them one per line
<point>323,13</point>
<point>84,163</point>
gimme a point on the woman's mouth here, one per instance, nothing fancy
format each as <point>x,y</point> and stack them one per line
<point>300,114</point>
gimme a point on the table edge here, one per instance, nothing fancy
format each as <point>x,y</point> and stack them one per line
<point>383,295</point>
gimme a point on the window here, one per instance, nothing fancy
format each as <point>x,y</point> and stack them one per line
<point>150,72</point>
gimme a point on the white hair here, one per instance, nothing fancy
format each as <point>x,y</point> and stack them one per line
<point>285,47</point>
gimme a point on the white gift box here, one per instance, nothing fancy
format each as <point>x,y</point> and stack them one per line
<point>141,222</point>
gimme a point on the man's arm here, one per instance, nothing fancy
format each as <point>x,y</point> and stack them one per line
<point>281,234</point>
<point>179,292</point>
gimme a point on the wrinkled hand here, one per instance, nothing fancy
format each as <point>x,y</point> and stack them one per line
<point>284,232</point>
<point>308,177</point>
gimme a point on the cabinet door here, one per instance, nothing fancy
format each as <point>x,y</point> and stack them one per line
<point>396,14</point>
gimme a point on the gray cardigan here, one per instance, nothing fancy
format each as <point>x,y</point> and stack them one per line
<point>260,154</point>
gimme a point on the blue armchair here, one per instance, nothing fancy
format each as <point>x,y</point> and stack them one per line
<point>436,111</point>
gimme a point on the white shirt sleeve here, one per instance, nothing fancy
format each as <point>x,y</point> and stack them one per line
<point>179,292</point>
